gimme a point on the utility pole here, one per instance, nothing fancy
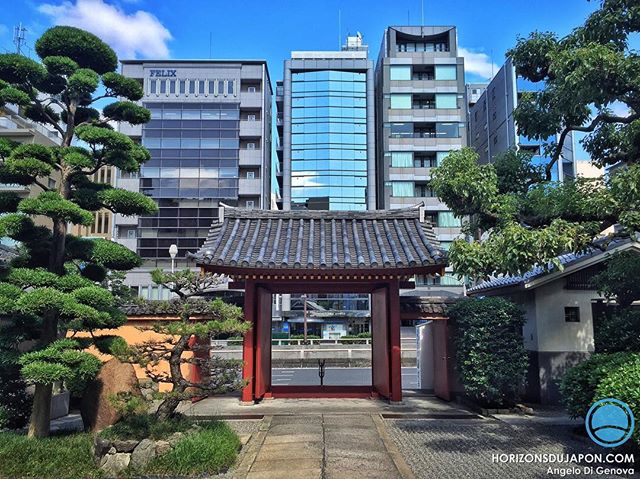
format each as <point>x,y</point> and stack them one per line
<point>19,37</point>
<point>304,297</point>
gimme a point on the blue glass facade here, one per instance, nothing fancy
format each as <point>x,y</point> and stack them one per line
<point>329,140</point>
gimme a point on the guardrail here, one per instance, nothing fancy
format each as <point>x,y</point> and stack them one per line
<point>301,342</point>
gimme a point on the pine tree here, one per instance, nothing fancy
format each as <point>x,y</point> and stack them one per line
<point>54,286</point>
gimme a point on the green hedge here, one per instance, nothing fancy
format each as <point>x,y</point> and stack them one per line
<point>620,332</point>
<point>579,384</point>
<point>623,383</point>
<point>490,355</point>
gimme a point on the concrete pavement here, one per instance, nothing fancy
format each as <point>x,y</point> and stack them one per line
<point>322,446</point>
<point>336,377</point>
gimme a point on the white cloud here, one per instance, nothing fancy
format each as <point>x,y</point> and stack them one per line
<point>130,35</point>
<point>3,29</point>
<point>619,109</point>
<point>478,63</point>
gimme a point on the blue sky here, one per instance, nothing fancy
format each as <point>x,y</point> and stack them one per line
<point>270,29</point>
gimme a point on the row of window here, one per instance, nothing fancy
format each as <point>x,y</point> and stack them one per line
<point>319,166</point>
<point>189,172</point>
<point>329,127</point>
<point>185,183</point>
<point>407,72</point>
<point>325,101</point>
<point>410,159</point>
<point>155,222</point>
<point>329,178</point>
<point>441,46</point>
<point>204,154</point>
<point>329,138</point>
<point>407,101</point>
<point>332,75</point>
<point>446,280</point>
<point>191,143</point>
<point>192,163</point>
<point>410,189</point>
<point>327,203</point>
<point>195,87</point>
<point>186,133</point>
<point>427,130</point>
<point>194,193</point>
<point>209,114</point>
<point>298,192</point>
<point>328,112</point>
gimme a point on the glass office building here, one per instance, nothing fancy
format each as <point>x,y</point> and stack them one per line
<point>329,140</point>
<point>209,138</point>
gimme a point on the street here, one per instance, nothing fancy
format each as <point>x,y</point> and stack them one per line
<point>335,377</point>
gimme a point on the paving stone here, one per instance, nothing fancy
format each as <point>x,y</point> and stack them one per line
<point>286,429</point>
<point>288,474</point>
<point>287,464</point>
<point>293,438</point>
<point>308,450</point>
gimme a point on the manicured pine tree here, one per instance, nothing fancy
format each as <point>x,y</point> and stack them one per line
<point>54,286</point>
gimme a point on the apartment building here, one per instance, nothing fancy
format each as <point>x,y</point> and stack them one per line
<point>210,143</point>
<point>420,118</point>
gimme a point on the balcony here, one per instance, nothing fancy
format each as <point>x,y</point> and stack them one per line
<point>251,99</point>
<point>249,186</point>
<point>250,157</point>
<point>251,128</point>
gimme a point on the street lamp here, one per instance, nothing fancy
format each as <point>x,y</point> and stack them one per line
<point>173,252</point>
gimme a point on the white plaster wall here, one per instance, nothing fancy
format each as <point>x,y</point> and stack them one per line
<point>553,332</point>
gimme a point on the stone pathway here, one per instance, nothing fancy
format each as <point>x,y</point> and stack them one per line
<point>322,446</point>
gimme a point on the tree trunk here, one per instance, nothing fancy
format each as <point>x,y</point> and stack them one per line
<point>41,412</point>
<point>167,407</point>
<point>172,401</point>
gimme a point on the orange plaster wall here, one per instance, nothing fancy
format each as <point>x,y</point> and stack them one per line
<point>131,333</point>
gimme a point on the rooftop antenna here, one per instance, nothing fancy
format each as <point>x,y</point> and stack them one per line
<point>492,63</point>
<point>422,17</point>
<point>19,37</point>
<point>210,43</point>
<point>408,17</point>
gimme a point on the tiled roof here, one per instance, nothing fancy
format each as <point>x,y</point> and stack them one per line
<point>329,240</point>
<point>565,260</point>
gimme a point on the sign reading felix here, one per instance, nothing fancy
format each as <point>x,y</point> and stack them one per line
<point>163,73</point>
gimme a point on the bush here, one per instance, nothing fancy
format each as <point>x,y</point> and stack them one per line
<point>620,332</point>
<point>623,382</point>
<point>15,403</point>
<point>490,356</point>
<point>207,452</point>
<point>140,426</point>
<point>579,384</point>
<point>301,336</point>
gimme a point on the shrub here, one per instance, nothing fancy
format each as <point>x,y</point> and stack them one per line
<point>15,403</point>
<point>206,452</point>
<point>140,426</point>
<point>623,382</point>
<point>301,336</point>
<point>579,384</point>
<point>620,332</point>
<point>490,357</point>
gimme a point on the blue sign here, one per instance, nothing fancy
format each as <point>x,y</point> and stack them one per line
<point>163,73</point>
<point>285,327</point>
<point>610,422</point>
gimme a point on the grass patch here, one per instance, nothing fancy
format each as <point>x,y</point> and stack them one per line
<point>211,450</point>
<point>60,457</point>
<point>140,426</point>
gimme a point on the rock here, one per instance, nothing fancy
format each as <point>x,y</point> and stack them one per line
<point>143,453</point>
<point>100,447</point>
<point>244,439</point>
<point>175,438</point>
<point>162,447</point>
<point>125,445</point>
<point>114,464</point>
<point>97,411</point>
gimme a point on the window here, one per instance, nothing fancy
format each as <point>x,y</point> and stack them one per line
<point>183,87</point>
<point>400,73</point>
<point>220,87</point>
<point>446,100</point>
<point>192,87</point>
<point>401,101</point>
<point>447,130</point>
<point>163,87</point>
<point>201,87</point>
<point>251,146</point>
<point>495,140</point>
<point>251,117</point>
<point>152,86</point>
<point>172,87</point>
<point>402,159</point>
<point>402,189</point>
<point>230,87</point>
<point>251,175</point>
<point>250,204</point>
<point>572,314</point>
<point>446,219</point>
<point>441,155</point>
<point>400,130</point>
<point>446,72</point>
<point>251,89</point>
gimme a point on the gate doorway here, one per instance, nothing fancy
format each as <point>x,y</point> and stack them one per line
<point>322,252</point>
